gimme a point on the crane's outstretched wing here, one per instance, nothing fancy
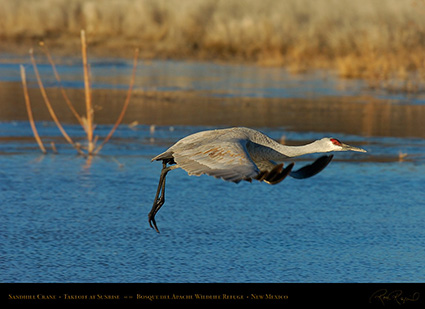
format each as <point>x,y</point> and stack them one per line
<point>228,160</point>
<point>312,169</point>
<point>275,175</point>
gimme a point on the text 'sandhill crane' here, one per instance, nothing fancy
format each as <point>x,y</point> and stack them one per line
<point>236,154</point>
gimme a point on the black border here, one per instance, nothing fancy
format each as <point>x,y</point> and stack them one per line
<point>382,295</point>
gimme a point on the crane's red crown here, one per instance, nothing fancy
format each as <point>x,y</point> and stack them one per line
<point>335,142</point>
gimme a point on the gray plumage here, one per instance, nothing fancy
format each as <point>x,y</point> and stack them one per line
<point>240,153</point>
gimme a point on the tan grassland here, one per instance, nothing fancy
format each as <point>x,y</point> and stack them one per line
<point>379,40</point>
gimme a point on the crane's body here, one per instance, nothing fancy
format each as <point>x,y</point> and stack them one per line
<point>240,153</point>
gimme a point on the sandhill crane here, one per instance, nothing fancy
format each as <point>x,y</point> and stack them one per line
<point>236,154</point>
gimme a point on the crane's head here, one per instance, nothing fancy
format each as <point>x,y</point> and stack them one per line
<point>332,144</point>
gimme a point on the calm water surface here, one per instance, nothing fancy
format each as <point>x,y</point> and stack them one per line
<point>360,220</point>
<point>65,219</point>
<point>231,80</point>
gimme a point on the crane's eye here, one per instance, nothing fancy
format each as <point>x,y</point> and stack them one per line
<point>335,142</point>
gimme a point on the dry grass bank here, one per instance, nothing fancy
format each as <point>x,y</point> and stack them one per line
<point>379,40</point>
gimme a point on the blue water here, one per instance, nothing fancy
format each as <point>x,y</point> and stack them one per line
<point>68,220</point>
<point>221,80</point>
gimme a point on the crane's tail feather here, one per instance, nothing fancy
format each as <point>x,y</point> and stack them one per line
<point>312,169</point>
<point>167,156</point>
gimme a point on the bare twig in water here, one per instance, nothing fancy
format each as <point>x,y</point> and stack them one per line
<point>58,79</point>
<point>49,106</point>
<point>89,108</point>
<point>401,156</point>
<point>55,151</point>
<point>29,110</point>
<point>87,121</point>
<point>127,100</point>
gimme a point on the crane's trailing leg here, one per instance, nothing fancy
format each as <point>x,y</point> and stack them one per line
<point>160,194</point>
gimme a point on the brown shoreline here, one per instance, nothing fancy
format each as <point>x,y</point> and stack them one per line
<point>362,116</point>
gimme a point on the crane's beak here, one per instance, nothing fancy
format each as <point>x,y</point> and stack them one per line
<point>346,147</point>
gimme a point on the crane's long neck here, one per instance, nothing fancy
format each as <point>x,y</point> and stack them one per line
<point>277,152</point>
<point>295,151</point>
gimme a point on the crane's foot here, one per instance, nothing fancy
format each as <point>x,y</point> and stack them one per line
<point>151,216</point>
<point>160,195</point>
<point>152,222</point>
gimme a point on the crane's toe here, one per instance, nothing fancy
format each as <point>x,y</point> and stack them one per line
<point>152,222</point>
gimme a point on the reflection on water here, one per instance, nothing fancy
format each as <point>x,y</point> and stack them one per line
<point>334,114</point>
<point>196,93</point>
<point>360,220</point>
<point>222,80</point>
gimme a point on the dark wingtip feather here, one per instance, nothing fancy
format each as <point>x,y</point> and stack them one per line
<point>312,169</point>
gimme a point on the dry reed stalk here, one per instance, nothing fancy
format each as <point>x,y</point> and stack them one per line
<point>29,111</point>
<point>58,79</point>
<point>126,102</point>
<point>89,108</point>
<point>87,123</point>
<point>52,144</point>
<point>49,106</point>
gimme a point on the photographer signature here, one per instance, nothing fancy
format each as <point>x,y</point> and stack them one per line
<point>396,296</point>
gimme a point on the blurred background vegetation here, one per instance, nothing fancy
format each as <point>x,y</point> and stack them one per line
<point>378,40</point>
